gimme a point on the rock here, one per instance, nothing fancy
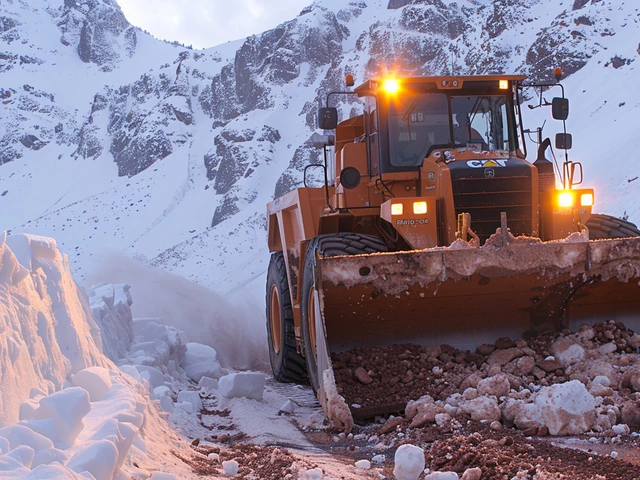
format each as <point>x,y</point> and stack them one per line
<point>602,380</point>
<point>598,390</point>
<point>485,349</point>
<point>621,429</point>
<point>391,424</point>
<point>495,425</point>
<point>566,409</point>
<point>363,464</point>
<point>244,384</point>
<point>470,394</point>
<point>426,414</point>
<point>631,379</point>
<point>607,348</point>
<point>522,366</point>
<point>567,351</point>
<point>505,343</point>
<point>549,365</point>
<point>472,474</point>
<point>630,414</point>
<point>433,351</point>
<point>502,357</point>
<point>414,406</point>
<point>482,408</point>
<point>362,376</point>
<point>409,462</point>
<point>498,386</point>
<point>585,333</point>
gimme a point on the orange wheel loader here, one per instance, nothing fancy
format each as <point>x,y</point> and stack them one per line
<point>432,228</point>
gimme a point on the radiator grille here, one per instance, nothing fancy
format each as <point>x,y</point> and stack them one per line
<point>485,198</point>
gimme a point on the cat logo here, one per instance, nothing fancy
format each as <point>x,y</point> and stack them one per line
<point>487,163</point>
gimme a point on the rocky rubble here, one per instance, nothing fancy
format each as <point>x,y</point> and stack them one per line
<point>562,384</point>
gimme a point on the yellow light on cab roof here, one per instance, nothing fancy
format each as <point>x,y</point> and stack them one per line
<point>503,84</point>
<point>391,85</point>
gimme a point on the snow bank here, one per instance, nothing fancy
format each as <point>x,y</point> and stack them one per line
<point>93,428</point>
<point>46,329</point>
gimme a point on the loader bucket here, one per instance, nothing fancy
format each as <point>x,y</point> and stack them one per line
<point>465,296</point>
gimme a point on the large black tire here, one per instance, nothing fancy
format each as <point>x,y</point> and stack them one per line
<point>330,245</point>
<point>606,226</point>
<point>287,364</point>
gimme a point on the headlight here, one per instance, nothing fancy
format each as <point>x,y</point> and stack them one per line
<point>396,209</point>
<point>565,199</point>
<point>419,208</point>
<point>586,199</point>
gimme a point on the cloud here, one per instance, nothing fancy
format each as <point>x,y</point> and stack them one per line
<point>205,23</point>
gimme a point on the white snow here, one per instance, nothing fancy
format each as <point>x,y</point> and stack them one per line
<point>409,462</point>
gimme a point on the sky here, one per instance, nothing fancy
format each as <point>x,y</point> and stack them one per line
<point>205,23</point>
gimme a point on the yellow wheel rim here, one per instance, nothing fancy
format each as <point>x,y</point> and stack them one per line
<point>275,319</point>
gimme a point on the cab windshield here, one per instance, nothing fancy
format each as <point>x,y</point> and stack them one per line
<point>421,122</point>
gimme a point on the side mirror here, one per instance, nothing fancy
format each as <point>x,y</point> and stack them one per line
<point>564,141</point>
<point>560,108</point>
<point>327,118</point>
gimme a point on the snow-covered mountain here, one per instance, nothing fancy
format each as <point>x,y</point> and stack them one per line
<point>113,140</point>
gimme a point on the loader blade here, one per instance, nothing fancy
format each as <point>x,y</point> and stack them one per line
<point>469,296</point>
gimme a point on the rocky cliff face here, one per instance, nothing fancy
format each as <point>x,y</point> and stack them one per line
<point>234,119</point>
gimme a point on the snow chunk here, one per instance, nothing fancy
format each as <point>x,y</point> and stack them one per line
<point>230,467</point>
<point>208,383</point>
<point>363,464</point>
<point>98,458</point>
<point>313,474</point>
<point>95,380</point>
<point>245,384</point>
<point>22,454</point>
<point>200,360</point>
<point>17,435</point>
<point>191,397</point>
<point>4,445</point>
<point>409,462</point>
<point>58,416</point>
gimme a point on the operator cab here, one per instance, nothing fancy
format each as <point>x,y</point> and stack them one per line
<point>412,117</point>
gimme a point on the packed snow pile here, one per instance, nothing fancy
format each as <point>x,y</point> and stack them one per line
<point>76,413</point>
